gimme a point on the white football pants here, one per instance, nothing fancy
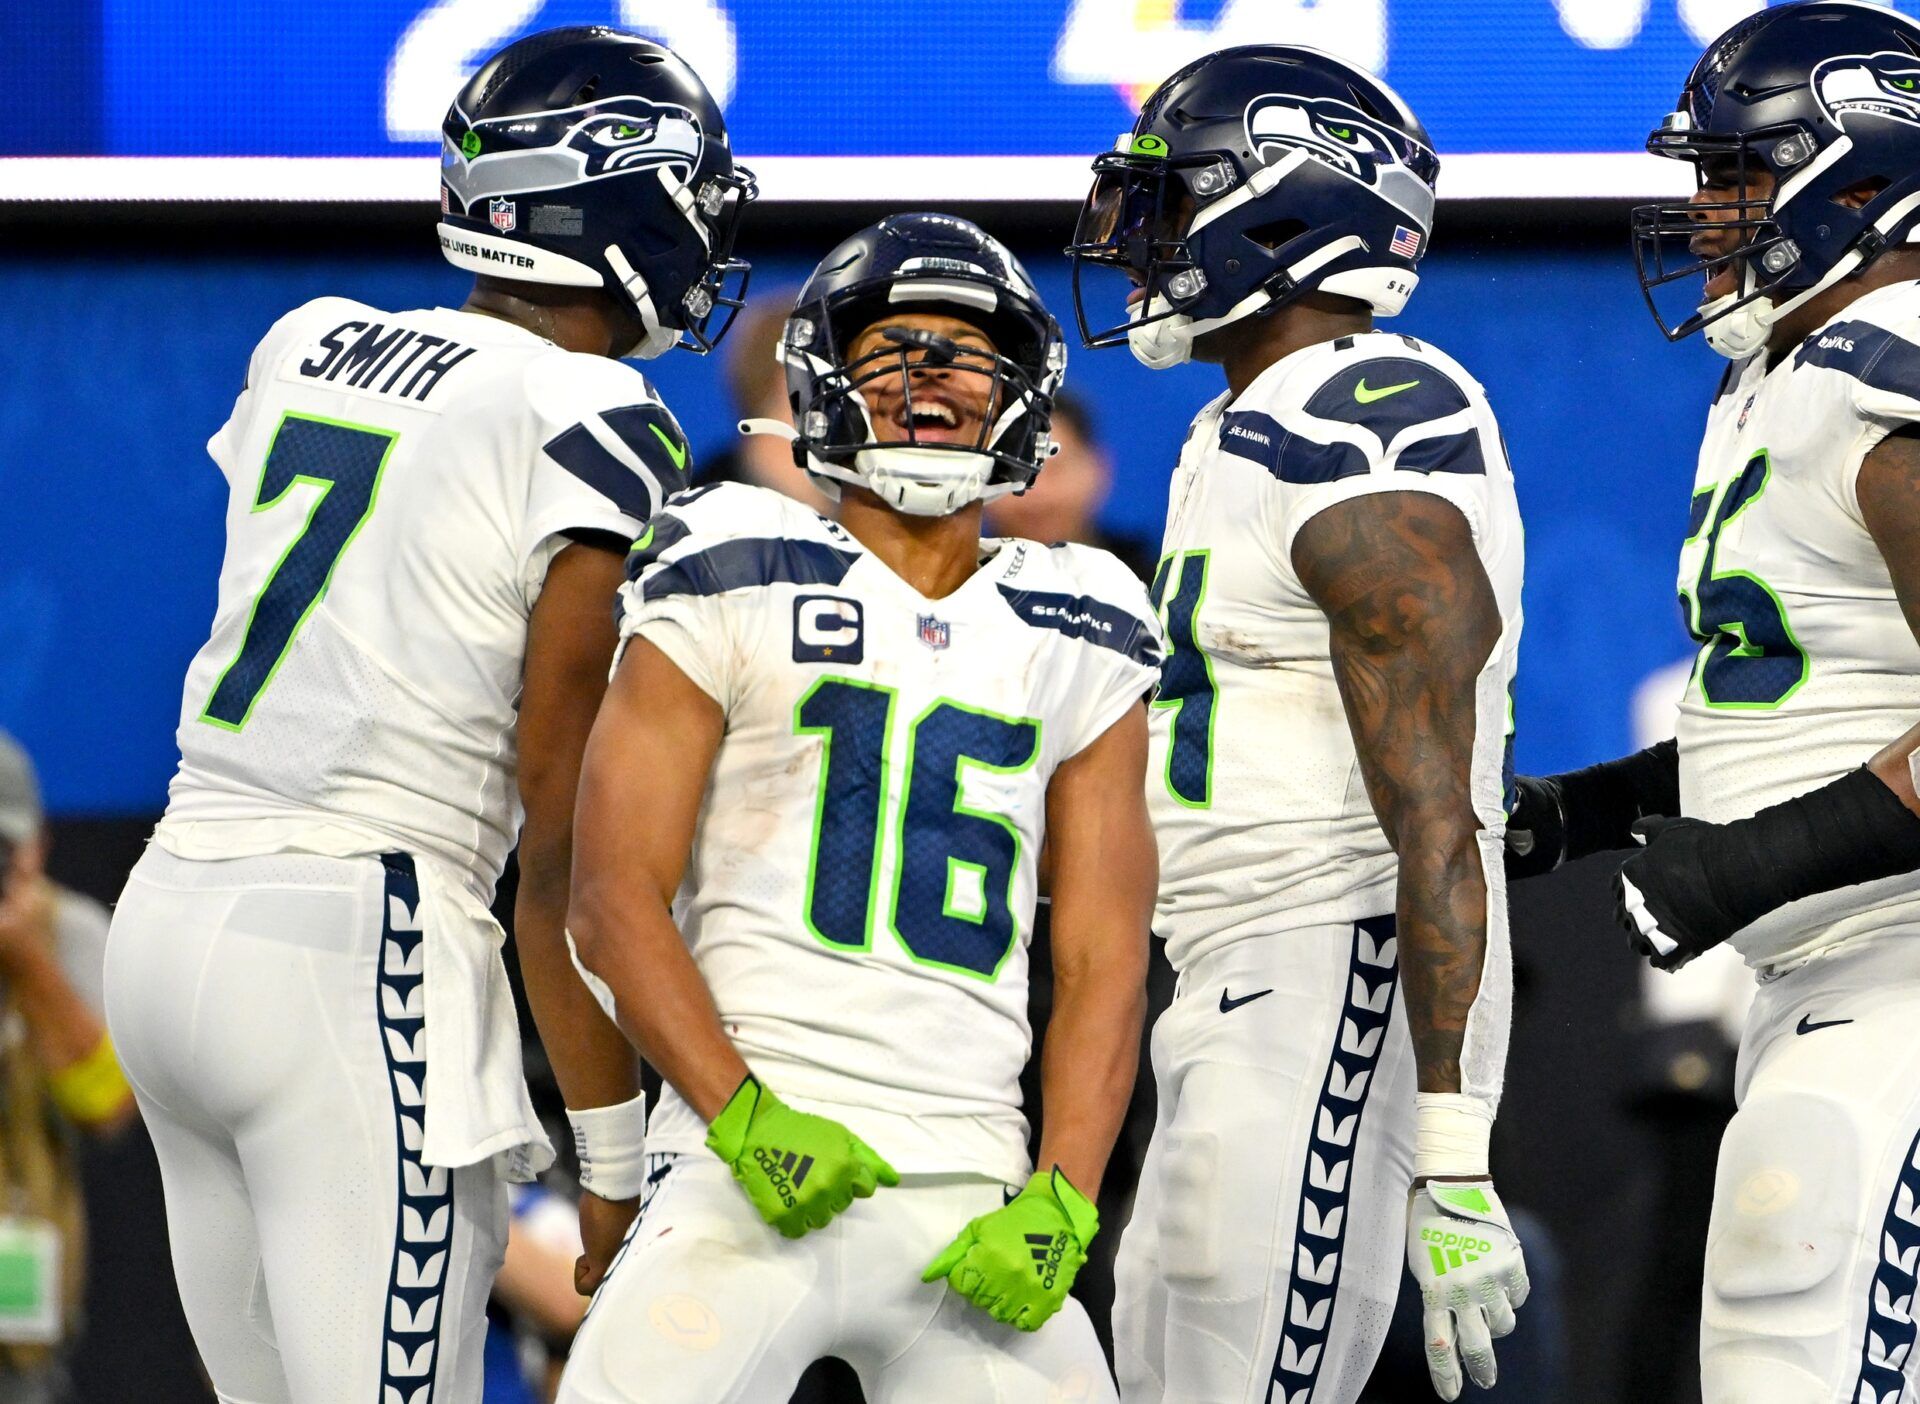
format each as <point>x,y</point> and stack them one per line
<point>1264,1253</point>
<point>266,1012</point>
<point>1815,1241</point>
<point>707,1304</point>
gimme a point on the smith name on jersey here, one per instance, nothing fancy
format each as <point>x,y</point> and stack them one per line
<point>1806,666</point>
<point>399,483</point>
<point>863,875</point>
<point>1261,810</point>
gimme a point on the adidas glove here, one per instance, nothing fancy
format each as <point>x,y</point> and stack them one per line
<point>1463,1254</point>
<point>799,1170</point>
<point>1018,1263</point>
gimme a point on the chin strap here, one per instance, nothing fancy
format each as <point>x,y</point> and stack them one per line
<point>778,428</point>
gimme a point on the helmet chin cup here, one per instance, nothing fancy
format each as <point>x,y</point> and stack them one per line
<point>924,482</point>
<point>1162,342</point>
<point>1739,332</point>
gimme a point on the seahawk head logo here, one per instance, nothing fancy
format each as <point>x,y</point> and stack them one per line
<point>1857,86</point>
<point>614,142</point>
<point>523,154</point>
<point>1329,130</point>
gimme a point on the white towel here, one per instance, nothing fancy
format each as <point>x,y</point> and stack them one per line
<point>477,1101</point>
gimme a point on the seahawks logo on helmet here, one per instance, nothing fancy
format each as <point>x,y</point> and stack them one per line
<point>1869,85</point>
<point>595,142</point>
<point>1329,130</point>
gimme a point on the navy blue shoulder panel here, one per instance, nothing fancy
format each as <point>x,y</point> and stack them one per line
<point>1083,617</point>
<point>1870,354</point>
<point>1388,395</point>
<point>747,562</point>
<point>1444,453</point>
<point>663,533</point>
<point>577,451</point>
<point>1290,458</point>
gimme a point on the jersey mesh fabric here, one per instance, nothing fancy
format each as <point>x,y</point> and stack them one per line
<point>390,521</point>
<point>1262,813</point>
<point>1807,665</point>
<point>862,882</point>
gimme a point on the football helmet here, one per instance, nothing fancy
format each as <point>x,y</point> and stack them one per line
<point>1255,175</point>
<point>592,158</point>
<point>1824,96</point>
<point>920,263</point>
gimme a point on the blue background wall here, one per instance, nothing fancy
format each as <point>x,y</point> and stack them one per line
<point>121,367</point>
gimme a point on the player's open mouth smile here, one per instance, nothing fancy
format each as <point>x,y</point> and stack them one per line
<point>938,417</point>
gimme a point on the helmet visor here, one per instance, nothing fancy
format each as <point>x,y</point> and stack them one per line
<point>1132,237</point>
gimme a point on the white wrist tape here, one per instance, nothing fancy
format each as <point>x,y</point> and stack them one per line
<point>1450,1135</point>
<point>611,1143</point>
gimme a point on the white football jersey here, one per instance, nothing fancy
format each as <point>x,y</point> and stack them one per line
<point>1806,665</point>
<point>1262,813</point>
<point>399,483</point>
<point>863,876</point>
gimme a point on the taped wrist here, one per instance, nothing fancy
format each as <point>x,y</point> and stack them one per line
<point>611,1144</point>
<point>1602,802</point>
<point>1850,831</point>
<point>1451,1133</point>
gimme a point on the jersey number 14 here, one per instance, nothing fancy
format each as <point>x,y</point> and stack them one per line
<point>952,899</point>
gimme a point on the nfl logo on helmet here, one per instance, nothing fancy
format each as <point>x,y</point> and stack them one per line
<point>502,214</point>
<point>935,633</point>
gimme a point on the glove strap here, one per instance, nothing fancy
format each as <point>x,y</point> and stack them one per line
<point>1601,803</point>
<point>727,1132</point>
<point>1451,1135</point>
<point>611,1145</point>
<point>1852,830</point>
<point>1082,1217</point>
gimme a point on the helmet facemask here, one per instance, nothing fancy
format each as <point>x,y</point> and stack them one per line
<point>887,419</point>
<point>1135,223</point>
<point>1762,258</point>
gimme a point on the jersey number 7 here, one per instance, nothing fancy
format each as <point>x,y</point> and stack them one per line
<point>955,866</point>
<point>345,462</point>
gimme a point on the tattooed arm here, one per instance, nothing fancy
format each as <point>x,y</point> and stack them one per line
<point>1412,621</point>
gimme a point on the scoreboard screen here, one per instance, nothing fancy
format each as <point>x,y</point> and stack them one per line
<point>827,99</point>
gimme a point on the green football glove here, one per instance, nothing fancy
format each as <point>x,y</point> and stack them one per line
<point>799,1170</point>
<point>1018,1263</point>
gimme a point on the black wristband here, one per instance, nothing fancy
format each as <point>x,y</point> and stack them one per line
<point>1602,802</point>
<point>1851,831</point>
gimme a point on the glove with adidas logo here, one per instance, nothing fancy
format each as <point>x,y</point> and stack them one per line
<point>1018,1263</point>
<point>798,1169</point>
<point>1472,1276</point>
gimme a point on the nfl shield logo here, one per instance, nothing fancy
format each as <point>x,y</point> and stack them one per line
<point>503,215</point>
<point>935,633</point>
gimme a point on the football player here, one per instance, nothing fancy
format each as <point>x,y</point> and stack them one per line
<point>428,517</point>
<point>1800,579</point>
<point>832,764</point>
<point>1341,595</point>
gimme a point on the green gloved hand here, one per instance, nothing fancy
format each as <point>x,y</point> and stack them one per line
<point>799,1170</point>
<point>1018,1263</point>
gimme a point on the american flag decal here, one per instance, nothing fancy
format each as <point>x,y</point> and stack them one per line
<point>1406,242</point>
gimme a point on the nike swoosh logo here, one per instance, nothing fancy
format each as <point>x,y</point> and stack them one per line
<point>677,452</point>
<point>1228,1004</point>
<point>1367,397</point>
<point>1807,1026</point>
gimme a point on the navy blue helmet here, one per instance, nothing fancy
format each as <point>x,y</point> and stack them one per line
<point>1255,175</point>
<point>1824,97</point>
<point>593,158</point>
<point>917,455</point>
